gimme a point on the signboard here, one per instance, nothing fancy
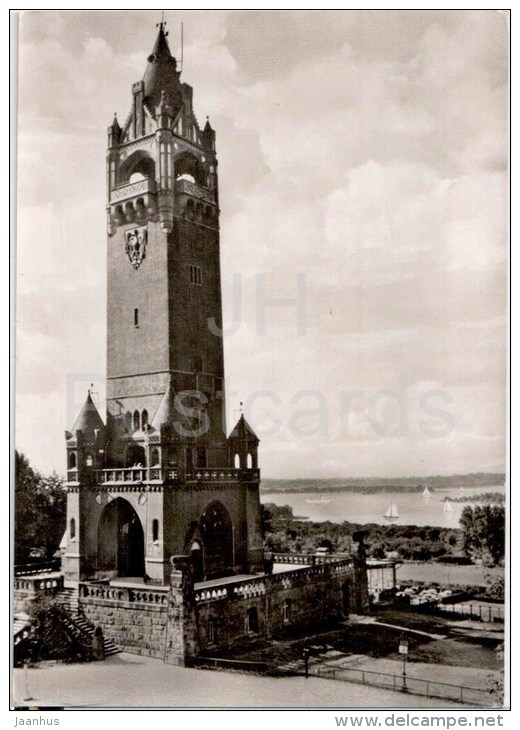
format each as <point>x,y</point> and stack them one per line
<point>403,647</point>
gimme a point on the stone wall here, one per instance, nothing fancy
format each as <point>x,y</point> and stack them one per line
<point>185,621</point>
<point>282,603</point>
<point>135,620</point>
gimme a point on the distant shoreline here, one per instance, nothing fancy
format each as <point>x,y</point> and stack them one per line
<point>381,485</point>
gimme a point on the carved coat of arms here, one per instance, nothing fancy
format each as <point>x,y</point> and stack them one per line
<point>135,245</point>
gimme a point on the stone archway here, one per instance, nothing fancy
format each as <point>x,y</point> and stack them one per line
<point>120,540</point>
<point>216,530</point>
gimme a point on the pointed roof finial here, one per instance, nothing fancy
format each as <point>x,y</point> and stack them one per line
<point>162,24</point>
<point>115,124</point>
<point>89,419</point>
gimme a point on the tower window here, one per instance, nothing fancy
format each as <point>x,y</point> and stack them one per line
<point>252,620</point>
<point>136,421</point>
<point>155,530</point>
<point>136,317</point>
<point>201,457</point>
<point>72,528</point>
<point>72,460</point>
<point>144,420</point>
<point>195,275</point>
<point>89,460</point>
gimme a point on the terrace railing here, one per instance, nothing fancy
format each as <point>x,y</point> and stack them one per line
<point>410,685</point>
<point>302,559</point>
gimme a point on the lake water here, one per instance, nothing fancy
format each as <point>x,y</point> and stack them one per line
<point>365,508</point>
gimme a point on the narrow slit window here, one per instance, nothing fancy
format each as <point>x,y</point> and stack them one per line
<point>155,530</point>
<point>136,317</point>
<point>195,275</point>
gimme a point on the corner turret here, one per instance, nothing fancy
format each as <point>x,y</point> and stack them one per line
<point>86,442</point>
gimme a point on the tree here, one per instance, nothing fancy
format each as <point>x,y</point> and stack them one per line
<point>483,532</point>
<point>40,507</point>
<point>266,518</point>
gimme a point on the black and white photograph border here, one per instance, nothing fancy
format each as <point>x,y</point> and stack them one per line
<point>260,451</point>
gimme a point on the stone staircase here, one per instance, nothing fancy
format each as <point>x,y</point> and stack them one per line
<point>69,598</point>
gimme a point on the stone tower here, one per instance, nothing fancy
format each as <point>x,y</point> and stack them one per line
<point>161,478</point>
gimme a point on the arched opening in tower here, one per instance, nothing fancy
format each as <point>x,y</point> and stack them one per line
<point>135,455</point>
<point>188,167</point>
<point>138,166</point>
<point>120,540</point>
<point>217,536</point>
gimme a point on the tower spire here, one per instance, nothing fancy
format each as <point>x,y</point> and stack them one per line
<point>161,72</point>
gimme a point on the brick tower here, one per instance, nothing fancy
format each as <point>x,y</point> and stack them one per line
<point>161,478</point>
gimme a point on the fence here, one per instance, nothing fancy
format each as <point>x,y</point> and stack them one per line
<point>412,685</point>
<point>50,566</point>
<point>238,665</point>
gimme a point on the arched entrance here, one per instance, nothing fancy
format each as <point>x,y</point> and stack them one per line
<point>120,540</point>
<point>217,537</point>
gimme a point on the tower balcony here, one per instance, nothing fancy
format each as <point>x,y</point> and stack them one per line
<point>187,187</point>
<point>160,475</point>
<point>131,203</point>
<point>132,190</point>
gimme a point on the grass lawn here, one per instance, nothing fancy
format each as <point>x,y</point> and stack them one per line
<point>446,575</point>
<point>457,653</point>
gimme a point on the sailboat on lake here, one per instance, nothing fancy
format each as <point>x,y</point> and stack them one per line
<point>426,495</point>
<point>392,512</point>
<point>448,507</point>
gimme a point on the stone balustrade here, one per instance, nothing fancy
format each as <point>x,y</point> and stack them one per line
<point>132,190</point>
<point>195,190</point>
<point>136,475</point>
<point>302,559</point>
<point>260,585</point>
<point>126,594</point>
<point>30,586</point>
<point>210,594</point>
<point>222,474</point>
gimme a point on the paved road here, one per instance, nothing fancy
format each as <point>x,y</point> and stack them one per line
<point>126,680</point>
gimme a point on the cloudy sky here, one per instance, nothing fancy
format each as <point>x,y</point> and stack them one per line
<point>363,174</point>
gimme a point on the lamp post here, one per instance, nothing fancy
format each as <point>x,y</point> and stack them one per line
<point>403,649</point>
<point>306,653</point>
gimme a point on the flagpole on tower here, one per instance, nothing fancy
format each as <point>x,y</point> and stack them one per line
<point>182,47</point>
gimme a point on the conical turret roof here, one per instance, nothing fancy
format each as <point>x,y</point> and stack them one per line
<point>115,125</point>
<point>166,411</point>
<point>243,431</point>
<point>89,421</point>
<point>161,74</point>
